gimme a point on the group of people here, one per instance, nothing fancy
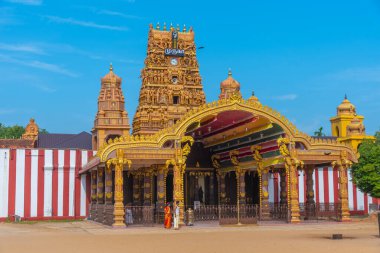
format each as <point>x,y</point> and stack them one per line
<point>169,216</point>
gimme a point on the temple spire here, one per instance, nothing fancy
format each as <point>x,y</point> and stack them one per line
<point>229,72</point>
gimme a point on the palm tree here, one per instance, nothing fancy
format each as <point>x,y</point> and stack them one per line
<point>319,132</point>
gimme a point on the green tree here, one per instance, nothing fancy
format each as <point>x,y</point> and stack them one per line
<point>11,132</point>
<point>15,132</point>
<point>366,173</point>
<point>319,132</point>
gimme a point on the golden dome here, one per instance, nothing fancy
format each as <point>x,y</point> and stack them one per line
<point>346,108</point>
<point>111,77</point>
<point>253,98</point>
<point>230,82</point>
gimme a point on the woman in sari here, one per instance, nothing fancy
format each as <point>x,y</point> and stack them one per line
<point>168,216</point>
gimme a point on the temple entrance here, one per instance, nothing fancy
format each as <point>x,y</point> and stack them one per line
<point>169,187</point>
<point>231,188</point>
<point>252,188</point>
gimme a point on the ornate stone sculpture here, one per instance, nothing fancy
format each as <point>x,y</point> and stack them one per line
<point>169,83</point>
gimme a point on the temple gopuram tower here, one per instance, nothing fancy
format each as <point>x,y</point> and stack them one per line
<point>171,83</point>
<point>111,119</point>
<point>347,126</point>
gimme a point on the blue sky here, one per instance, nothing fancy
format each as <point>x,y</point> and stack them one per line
<point>300,57</point>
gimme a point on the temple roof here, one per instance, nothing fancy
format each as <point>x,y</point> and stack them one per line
<point>72,141</point>
<point>230,82</point>
<point>346,107</point>
<point>16,143</point>
<point>111,77</point>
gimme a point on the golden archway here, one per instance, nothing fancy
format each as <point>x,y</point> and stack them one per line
<point>153,143</point>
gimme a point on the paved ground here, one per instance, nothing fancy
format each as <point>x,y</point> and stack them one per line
<point>56,237</point>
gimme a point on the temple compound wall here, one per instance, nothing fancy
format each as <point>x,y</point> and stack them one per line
<point>38,184</point>
<point>43,184</point>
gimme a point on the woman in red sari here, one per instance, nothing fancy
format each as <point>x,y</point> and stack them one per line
<point>168,216</point>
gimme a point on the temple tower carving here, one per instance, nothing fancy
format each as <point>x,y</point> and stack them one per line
<point>171,83</point>
<point>111,119</point>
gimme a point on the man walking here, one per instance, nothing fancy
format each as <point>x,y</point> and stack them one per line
<point>176,216</point>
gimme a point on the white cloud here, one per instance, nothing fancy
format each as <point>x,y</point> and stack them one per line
<point>26,2</point>
<point>21,48</point>
<point>39,65</point>
<point>84,23</point>
<point>368,74</point>
<point>285,97</point>
<point>118,14</point>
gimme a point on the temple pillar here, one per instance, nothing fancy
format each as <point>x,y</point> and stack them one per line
<point>100,185</point>
<point>119,212</point>
<point>283,191</point>
<point>294,206</point>
<point>240,177</point>
<point>147,188</point>
<point>94,197</point>
<point>222,187</point>
<point>161,187</point>
<point>108,185</point>
<point>212,190</point>
<point>310,203</point>
<point>342,166</point>
<point>264,193</point>
<point>178,189</point>
<point>136,189</point>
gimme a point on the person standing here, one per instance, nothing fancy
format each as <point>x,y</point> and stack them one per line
<point>168,216</point>
<point>176,216</point>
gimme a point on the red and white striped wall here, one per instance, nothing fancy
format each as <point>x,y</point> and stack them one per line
<point>39,184</point>
<point>325,182</point>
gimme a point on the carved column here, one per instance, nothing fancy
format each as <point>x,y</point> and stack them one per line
<point>119,163</point>
<point>108,185</point>
<point>136,189</point>
<point>264,193</point>
<point>212,190</point>
<point>178,189</point>
<point>342,166</point>
<point>310,203</point>
<point>100,185</point>
<point>222,187</point>
<point>148,188</point>
<point>94,197</point>
<point>309,185</point>
<point>161,187</point>
<point>293,194</point>
<point>240,176</point>
<point>291,166</point>
<point>283,190</point>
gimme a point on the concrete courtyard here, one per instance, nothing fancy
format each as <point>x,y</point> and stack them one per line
<point>86,236</point>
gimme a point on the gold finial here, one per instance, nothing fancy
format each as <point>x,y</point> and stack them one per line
<point>158,26</point>
<point>171,26</point>
<point>184,28</point>
<point>178,27</point>
<point>164,26</point>
<point>229,72</point>
<point>111,67</point>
